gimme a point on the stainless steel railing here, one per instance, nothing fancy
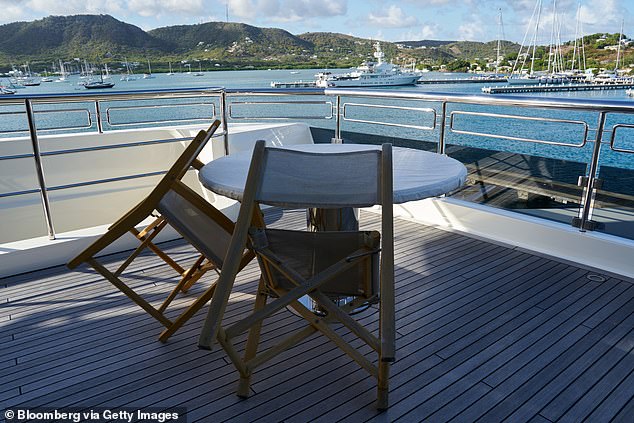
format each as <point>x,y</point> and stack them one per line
<point>339,103</point>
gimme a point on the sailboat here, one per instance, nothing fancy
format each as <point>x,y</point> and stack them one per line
<point>46,77</point>
<point>107,75</point>
<point>148,75</point>
<point>62,72</point>
<point>98,84</point>
<point>170,73</point>
<point>128,76</point>
<point>200,70</point>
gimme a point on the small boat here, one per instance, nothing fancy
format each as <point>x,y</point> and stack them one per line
<point>98,84</point>
<point>200,70</point>
<point>6,91</point>
<point>128,76</point>
<point>148,75</point>
<point>170,73</point>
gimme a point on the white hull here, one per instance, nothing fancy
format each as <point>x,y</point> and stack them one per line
<point>523,81</point>
<point>369,81</point>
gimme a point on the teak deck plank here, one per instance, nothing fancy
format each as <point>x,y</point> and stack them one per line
<point>485,332</point>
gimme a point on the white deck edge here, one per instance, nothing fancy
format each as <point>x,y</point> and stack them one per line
<point>589,249</point>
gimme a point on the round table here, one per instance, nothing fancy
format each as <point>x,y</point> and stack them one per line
<point>417,174</point>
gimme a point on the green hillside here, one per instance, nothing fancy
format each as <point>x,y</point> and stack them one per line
<point>86,36</point>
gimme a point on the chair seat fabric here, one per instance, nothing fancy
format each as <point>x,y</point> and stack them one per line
<point>310,253</point>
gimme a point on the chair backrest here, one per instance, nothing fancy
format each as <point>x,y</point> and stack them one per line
<point>184,161</point>
<point>291,178</point>
<point>204,227</point>
<point>143,209</point>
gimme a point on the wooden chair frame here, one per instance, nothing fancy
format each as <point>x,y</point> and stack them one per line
<point>249,215</point>
<point>128,222</point>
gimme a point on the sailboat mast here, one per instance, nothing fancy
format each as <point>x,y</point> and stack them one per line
<point>551,44</point>
<point>539,14</point>
<point>575,47</point>
<point>500,35</point>
<point>618,49</point>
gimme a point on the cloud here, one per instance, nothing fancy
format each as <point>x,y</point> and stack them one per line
<point>392,17</point>
<point>12,11</point>
<point>470,31</point>
<point>426,32</point>
<point>166,7</point>
<point>610,14</point>
<point>144,8</point>
<point>73,7</point>
<point>286,10</point>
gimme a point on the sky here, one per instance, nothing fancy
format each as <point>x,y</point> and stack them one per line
<point>472,20</point>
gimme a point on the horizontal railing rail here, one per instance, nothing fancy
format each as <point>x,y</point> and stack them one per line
<point>613,139</point>
<point>582,143</point>
<point>111,110</point>
<point>347,106</point>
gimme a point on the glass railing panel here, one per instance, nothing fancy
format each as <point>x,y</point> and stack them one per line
<point>401,122</point>
<point>313,109</point>
<point>14,121</point>
<point>522,159</point>
<point>158,112</point>
<point>20,203</point>
<point>21,217</point>
<point>613,207</point>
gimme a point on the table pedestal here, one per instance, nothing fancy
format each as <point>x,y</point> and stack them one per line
<point>344,219</point>
<point>320,220</point>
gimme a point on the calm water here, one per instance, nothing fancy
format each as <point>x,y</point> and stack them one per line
<point>568,133</point>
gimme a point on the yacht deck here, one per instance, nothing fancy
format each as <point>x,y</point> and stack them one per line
<point>485,332</point>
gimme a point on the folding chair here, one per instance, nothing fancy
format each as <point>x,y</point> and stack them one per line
<point>201,224</point>
<point>322,265</point>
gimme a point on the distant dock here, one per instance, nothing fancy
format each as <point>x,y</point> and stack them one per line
<point>294,84</point>
<point>460,80</point>
<point>554,88</point>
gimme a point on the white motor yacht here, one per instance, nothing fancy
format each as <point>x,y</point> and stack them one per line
<point>370,74</point>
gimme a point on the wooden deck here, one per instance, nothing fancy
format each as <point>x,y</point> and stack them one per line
<point>485,333</point>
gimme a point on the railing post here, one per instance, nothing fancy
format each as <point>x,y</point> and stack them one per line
<point>337,139</point>
<point>225,126</point>
<point>585,214</point>
<point>98,117</point>
<point>39,168</point>
<point>441,133</point>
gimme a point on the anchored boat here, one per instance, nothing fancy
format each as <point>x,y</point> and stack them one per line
<point>370,74</point>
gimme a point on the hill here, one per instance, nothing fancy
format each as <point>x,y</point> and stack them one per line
<point>236,39</point>
<point>86,36</point>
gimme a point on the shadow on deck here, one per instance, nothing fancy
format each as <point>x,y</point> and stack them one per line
<point>485,332</point>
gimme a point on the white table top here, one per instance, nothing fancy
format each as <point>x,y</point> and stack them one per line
<point>417,174</point>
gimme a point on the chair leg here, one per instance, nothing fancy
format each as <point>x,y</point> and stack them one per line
<point>383,386</point>
<point>190,273</point>
<point>253,340</point>
<point>193,275</point>
<point>187,314</point>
